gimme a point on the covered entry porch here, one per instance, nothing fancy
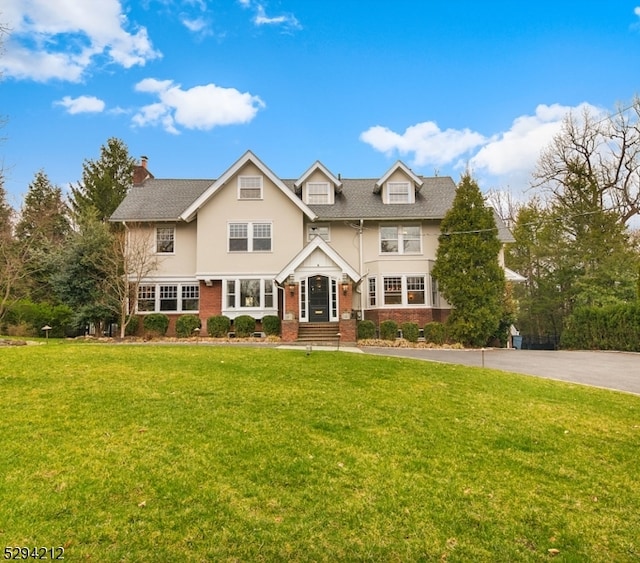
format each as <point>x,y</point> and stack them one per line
<point>318,287</point>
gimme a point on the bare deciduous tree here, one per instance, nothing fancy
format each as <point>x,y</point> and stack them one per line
<point>131,261</point>
<point>607,151</point>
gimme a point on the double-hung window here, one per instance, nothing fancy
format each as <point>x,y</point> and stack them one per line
<point>318,193</point>
<point>174,297</point>
<point>168,297</point>
<point>250,187</point>
<point>403,290</point>
<point>400,239</point>
<point>146,298</point>
<point>165,240</point>
<point>398,192</point>
<point>250,293</point>
<point>249,237</point>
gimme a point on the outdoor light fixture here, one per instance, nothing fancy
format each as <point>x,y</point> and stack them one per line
<point>345,284</point>
<point>291,282</point>
<point>46,329</point>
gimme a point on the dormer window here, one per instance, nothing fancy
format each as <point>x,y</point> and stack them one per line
<point>250,187</point>
<point>398,192</point>
<point>318,193</point>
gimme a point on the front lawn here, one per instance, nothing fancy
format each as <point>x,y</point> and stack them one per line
<point>211,453</point>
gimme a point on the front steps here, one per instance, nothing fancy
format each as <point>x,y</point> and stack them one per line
<point>318,334</point>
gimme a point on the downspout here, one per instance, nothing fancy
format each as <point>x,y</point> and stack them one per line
<point>361,265</point>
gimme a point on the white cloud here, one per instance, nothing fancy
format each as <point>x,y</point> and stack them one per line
<point>200,107</point>
<point>426,141</point>
<point>59,39</point>
<point>81,104</point>
<point>504,158</point>
<point>512,155</point>
<point>196,25</point>
<point>286,21</point>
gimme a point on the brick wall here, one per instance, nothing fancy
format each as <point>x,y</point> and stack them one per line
<point>210,302</point>
<point>419,316</point>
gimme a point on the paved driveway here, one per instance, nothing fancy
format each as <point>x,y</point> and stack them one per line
<point>610,370</point>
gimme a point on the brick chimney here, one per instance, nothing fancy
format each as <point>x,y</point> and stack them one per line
<point>140,172</point>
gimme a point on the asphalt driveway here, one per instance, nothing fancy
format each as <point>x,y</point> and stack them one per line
<point>609,370</point>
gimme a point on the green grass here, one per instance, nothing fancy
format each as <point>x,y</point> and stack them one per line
<point>197,453</point>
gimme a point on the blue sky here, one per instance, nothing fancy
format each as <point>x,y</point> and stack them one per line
<point>440,85</point>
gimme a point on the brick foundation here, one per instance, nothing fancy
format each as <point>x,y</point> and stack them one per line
<point>419,316</point>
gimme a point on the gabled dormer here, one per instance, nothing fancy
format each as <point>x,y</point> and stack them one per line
<point>398,185</point>
<point>248,177</point>
<point>318,186</point>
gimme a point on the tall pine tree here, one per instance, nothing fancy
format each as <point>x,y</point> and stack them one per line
<point>42,229</point>
<point>105,181</point>
<point>467,268</point>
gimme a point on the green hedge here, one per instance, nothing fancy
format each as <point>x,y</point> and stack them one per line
<point>186,324</point>
<point>156,324</point>
<point>33,316</point>
<point>271,325</point>
<point>366,330</point>
<point>410,331</point>
<point>244,325</point>
<point>435,333</point>
<point>615,327</point>
<point>218,326</point>
<point>388,330</point>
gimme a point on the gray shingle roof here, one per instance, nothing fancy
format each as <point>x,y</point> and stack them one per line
<point>166,199</point>
<point>159,200</point>
<point>358,201</point>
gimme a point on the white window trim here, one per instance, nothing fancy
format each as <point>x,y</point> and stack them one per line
<point>239,309</point>
<point>178,286</point>
<point>326,186</point>
<point>410,195</point>
<point>400,239</point>
<point>240,187</point>
<point>173,229</point>
<point>250,237</point>
<point>311,234</point>
<point>405,303</point>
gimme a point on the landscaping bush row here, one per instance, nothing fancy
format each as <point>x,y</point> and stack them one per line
<point>434,332</point>
<point>218,326</point>
<point>615,327</point>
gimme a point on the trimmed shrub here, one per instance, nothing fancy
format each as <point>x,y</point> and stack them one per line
<point>366,330</point>
<point>218,326</point>
<point>388,330</point>
<point>435,333</point>
<point>271,325</point>
<point>410,331</point>
<point>613,327</point>
<point>31,317</point>
<point>244,325</point>
<point>186,324</point>
<point>156,324</point>
<point>132,326</point>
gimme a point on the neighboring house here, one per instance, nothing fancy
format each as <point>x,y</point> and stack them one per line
<point>316,249</point>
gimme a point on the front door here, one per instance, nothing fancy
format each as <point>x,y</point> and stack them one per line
<point>318,299</point>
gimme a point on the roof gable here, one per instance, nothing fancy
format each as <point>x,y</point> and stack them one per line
<point>317,165</point>
<point>316,243</point>
<point>190,213</point>
<point>399,165</point>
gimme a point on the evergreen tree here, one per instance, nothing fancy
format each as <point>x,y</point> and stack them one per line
<point>82,270</point>
<point>44,215</point>
<point>6,215</point>
<point>105,181</point>
<point>42,229</point>
<point>467,269</point>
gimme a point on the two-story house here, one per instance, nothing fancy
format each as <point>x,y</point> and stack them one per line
<point>316,249</point>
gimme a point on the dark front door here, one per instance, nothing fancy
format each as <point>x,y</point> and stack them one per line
<point>318,299</point>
